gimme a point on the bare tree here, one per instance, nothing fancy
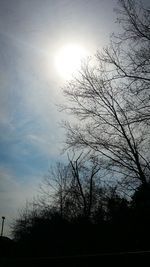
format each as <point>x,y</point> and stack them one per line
<point>22,225</point>
<point>74,189</point>
<point>55,187</point>
<point>111,100</point>
<point>85,177</point>
<point>128,57</point>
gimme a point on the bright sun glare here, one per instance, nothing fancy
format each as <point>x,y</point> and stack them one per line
<point>68,60</point>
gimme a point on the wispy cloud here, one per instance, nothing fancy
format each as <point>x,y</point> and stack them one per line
<point>30,137</point>
<point>13,194</point>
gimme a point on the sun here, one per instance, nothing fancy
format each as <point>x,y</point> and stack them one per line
<point>68,60</point>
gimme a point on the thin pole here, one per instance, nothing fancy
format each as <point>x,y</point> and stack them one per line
<point>3,218</point>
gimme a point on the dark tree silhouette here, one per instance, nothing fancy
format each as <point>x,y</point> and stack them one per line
<point>110,99</point>
<point>43,232</point>
<point>74,189</point>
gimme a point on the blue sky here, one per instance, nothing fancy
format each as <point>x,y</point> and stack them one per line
<point>31,32</point>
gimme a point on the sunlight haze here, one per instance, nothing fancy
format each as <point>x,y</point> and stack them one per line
<point>69,58</point>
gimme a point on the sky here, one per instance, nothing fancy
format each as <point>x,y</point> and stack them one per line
<point>31,34</point>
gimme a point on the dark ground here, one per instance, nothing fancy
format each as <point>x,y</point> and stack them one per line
<point>119,259</point>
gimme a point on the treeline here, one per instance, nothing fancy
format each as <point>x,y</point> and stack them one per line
<point>78,213</point>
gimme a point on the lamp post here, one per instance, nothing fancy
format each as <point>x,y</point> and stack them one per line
<point>3,218</point>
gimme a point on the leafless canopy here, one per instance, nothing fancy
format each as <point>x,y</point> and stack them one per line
<point>110,100</point>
